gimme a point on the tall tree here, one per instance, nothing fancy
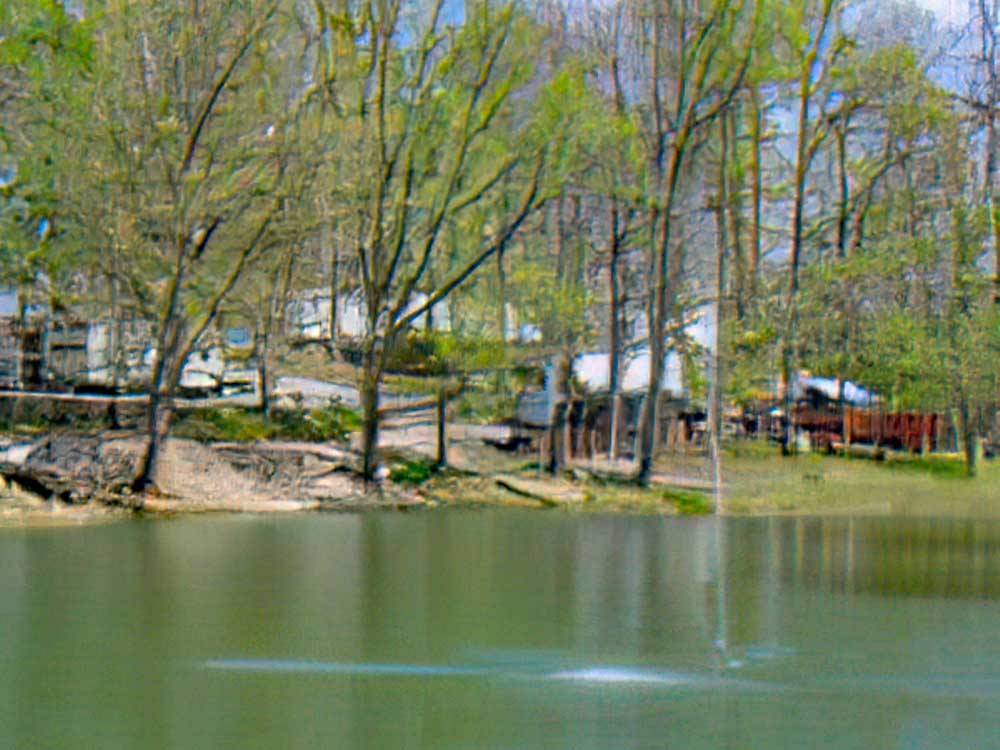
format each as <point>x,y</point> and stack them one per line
<point>693,77</point>
<point>434,127</point>
<point>193,147</point>
<point>814,44</point>
<point>984,98</point>
<point>613,172</point>
<point>46,55</point>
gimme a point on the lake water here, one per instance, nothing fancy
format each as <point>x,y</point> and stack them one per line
<point>499,629</point>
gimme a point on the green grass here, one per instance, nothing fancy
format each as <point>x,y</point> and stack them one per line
<point>689,503</point>
<point>758,480</point>
<point>944,465</point>
<point>333,423</point>
<point>34,417</point>
<point>410,385</point>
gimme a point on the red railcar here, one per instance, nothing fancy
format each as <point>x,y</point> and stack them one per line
<point>911,431</point>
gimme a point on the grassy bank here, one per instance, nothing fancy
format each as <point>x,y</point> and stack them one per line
<point>758,480</point>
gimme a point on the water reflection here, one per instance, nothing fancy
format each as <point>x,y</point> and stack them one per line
<point>953,558</point>
<point>501,630</point>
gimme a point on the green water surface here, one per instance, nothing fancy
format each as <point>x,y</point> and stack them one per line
<point>499,629</point>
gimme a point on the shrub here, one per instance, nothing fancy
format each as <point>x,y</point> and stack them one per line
<point>235,425</point>
<point>412,472</point>
<point>332,423</point>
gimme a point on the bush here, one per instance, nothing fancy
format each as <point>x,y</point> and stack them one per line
<point>412,472</point>
<point>437,353</point>
<point>34,416</point>
<point>232,425</point>
<point>332,423</point>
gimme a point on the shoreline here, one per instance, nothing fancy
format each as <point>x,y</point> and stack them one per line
<point>283,477</point>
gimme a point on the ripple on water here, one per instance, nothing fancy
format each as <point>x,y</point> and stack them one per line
<point>604,675</point>
<point>623,676</point>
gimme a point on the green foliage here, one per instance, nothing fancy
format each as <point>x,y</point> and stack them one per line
<point>37,34</point>
<point>46,57</point>
<point>332,423</point>
<point>434,157</point>
<point>236,425</point>
<point>413,472</point>
<point>556,304</point>
<point>689,503</point>
<point>483,406</point>
<point>440,354</point>
<point>695,380</point>
<point>37,416</point>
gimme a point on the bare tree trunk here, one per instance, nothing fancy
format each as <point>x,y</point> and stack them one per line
<point>788,436</point>
<point>757,188</point>
<point>334,293</point>
<point>116,346</point>
<point>370,377</point>
<point>281,295</point>
<point>580,444</point>
<point>554,439</point>
<point>788,348</point>
<point>666,268</point>
<point>988,29</point>
<point>715,356</point>
<point>734,206</point>
<point>442,428</point>
<point>970,436</point>
<point>501,381</point>
<point>163,382</point>
<point>988,49</point>
<point>567,434</point>
<point>646,436</point>
<point>559,443</point>
<point>640,414</point>
<point>560,242</point>
<point>159,417</point>
<point>844,197</point>
<point>371,374</point>
<point>262,345</point>
<point>266,328</point>
<point>806,145</point>
<point>615,332</point>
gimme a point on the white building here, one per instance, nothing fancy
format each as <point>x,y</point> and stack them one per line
<point>309,314</point>
<point>593,369</point>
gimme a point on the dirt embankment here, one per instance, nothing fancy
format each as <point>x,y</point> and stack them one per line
<point>95,471</point>
<point>80,471</point>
